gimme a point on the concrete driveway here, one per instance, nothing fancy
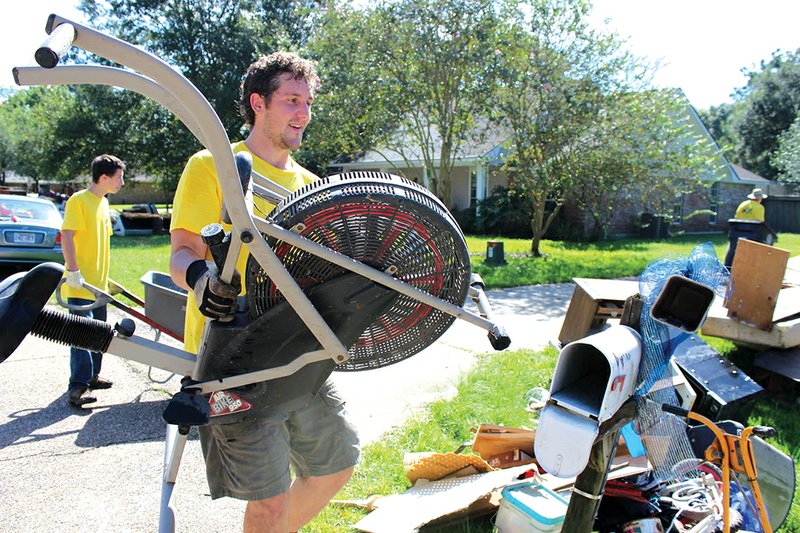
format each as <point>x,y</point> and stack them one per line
<point>99,469</point>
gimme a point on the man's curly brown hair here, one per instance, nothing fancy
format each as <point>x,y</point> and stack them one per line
<point>263,77</point>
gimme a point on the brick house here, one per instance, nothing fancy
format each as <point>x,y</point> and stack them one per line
<point>478,170</point>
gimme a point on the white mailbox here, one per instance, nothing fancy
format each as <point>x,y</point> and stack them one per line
<point>594,376</point>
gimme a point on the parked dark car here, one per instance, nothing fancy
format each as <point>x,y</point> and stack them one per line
<point>30,230</point>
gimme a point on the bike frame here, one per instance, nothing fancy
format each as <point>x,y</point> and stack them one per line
<point>157,80</point>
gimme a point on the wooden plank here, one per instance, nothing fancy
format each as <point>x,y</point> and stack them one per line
<point>782,335</point>
<point>757,273</point>
<point>788,304</point>
<point>578,319</point>
<point>792,276</point>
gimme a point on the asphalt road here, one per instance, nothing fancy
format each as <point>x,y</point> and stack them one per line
<point>99,469</point>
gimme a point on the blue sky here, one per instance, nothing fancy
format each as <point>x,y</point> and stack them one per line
<point>703,44</point>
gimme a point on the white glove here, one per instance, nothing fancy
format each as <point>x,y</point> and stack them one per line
<point>75,279</point>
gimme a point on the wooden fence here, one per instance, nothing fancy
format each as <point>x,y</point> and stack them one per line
<point>783,213</point>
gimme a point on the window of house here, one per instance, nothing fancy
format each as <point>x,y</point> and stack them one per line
<point>677,209</point>
<point>473,187</point>
<point>713,203</point>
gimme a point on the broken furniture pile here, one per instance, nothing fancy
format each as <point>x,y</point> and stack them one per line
<point>762,312</point>
<point>575,467</point>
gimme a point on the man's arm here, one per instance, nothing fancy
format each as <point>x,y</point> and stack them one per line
<point>186,248</point>
<point>189,269</point>
<point>68,249</point>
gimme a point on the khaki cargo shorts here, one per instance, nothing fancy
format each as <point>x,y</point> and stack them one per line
<point>249,460</point>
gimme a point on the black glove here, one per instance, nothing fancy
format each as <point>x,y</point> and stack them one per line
<point>214,297</point>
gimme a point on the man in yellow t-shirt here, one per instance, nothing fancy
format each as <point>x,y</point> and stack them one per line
<point>86,245</point>
<point>752,209</point>
<point>250,459</point>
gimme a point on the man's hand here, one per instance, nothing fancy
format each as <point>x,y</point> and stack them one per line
<point>214,297</point>
<point>75,279</point>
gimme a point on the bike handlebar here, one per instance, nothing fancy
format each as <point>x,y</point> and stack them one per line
<point>56,45</point>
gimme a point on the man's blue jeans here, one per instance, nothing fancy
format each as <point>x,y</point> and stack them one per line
<point>83,364</point>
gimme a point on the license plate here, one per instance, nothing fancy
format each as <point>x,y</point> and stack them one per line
<point>23,238</point>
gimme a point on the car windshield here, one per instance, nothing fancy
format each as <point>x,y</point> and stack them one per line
<point>22,210</point>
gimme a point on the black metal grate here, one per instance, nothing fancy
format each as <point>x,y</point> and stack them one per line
<point>383,221</point>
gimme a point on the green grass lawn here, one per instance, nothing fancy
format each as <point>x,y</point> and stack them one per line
<point>131,257</point>
<point>493,391</point>
<point>563,261</point>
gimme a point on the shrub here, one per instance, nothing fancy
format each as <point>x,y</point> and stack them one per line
<point>505,213</point>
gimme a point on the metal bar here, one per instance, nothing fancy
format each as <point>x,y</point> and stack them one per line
<point>266,183</point>
<point>258,376</point>
<point>266,194</point>
<point>152,353</point>
<point>173,452</point>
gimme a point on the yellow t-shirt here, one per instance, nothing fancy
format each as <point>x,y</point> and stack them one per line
<point>750,210</point>
<point>198,202</point>
<point>88,216</point>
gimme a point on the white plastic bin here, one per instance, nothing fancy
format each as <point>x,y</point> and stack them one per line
<point>530,508</point>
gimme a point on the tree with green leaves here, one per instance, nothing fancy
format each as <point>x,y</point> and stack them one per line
<point>356,104</point>
<point>55,132</point>
<point>581,127</point>
<point>554,77</point>
<point>787,157</point>
<point>644,151</point>
<point>411,75</point>
<point>771,102</point>
<point>212,42</point>
<point>439,54</point>
<point>720,121</point>
<point>29,118</point>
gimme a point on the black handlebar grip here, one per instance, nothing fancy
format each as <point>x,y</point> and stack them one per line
<point>764,431</point>
<point>244,166</point>
<point>125,327</point>
<point>499,338</point>
<point>213,236</point>
<point>55,46</point>
<point>675,410</point>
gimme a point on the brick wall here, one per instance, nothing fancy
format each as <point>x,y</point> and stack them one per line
<point>627,212</point>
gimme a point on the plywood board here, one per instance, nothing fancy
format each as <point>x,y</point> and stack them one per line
<point>757,273</point>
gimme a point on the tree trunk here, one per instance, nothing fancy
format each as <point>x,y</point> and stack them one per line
<point>537,224</point>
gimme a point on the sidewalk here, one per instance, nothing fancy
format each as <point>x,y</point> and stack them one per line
<point>100,470</point>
